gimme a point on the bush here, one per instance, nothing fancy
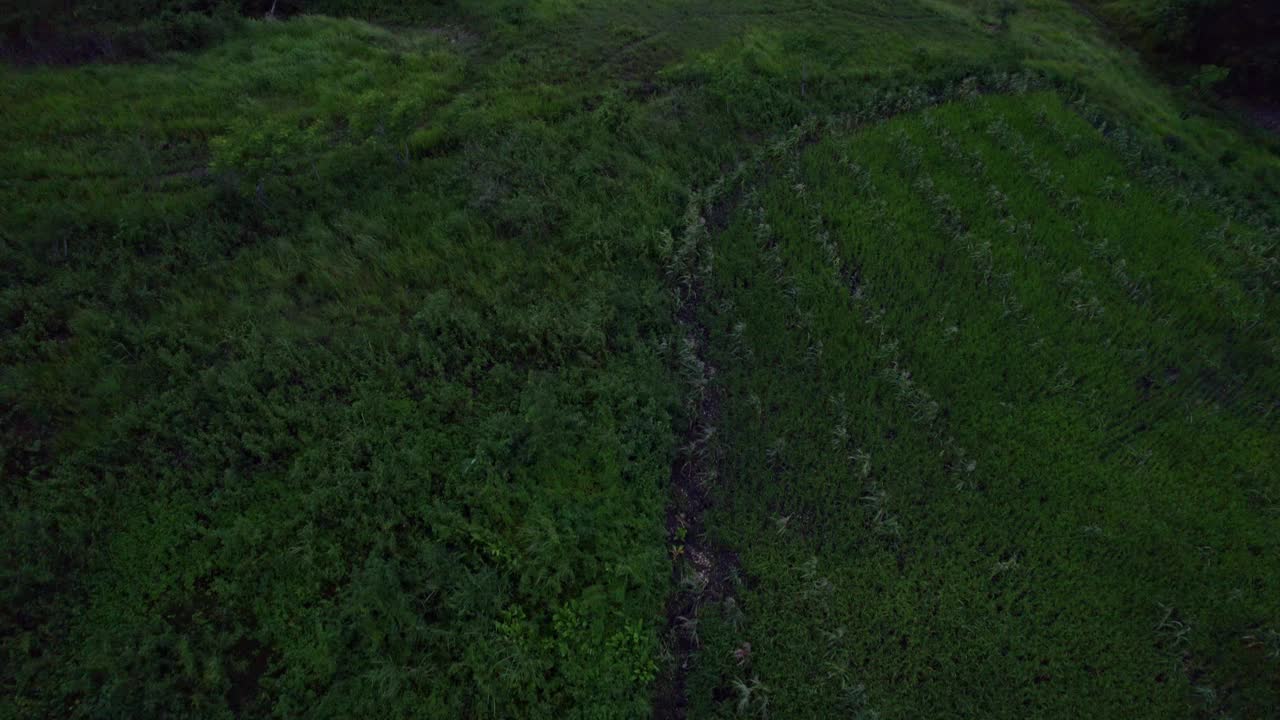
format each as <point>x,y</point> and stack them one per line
<point>1216,35</point>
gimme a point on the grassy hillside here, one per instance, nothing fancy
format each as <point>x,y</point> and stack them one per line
<point>1235,42</point>
<point>598,359</point>
<point>986,440</point>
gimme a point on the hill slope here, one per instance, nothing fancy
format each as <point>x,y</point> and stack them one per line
<point>577,359</point>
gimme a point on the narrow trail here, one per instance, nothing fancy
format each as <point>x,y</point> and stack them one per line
<point>702,571</point>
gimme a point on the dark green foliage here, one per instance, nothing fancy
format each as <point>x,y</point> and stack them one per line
<point>290,428</point>
<point>1000,428</point>
<point>999,13</point>
<point>1177,23</point>
<point>341,368</point>
<point>1241,35</point>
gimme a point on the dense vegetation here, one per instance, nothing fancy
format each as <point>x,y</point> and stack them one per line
<point>986,482</point>
<point>577,358</point>
<point>1235,44</point>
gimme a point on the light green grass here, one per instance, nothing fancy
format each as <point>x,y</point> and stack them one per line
<point>996,437</point>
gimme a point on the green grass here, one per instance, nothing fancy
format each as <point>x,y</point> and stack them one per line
<point>1227,46</point>
<point>277,439</point>
<point>990,453</point>
<point>346,369</point>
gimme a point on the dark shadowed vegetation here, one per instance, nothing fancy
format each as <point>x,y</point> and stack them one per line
<point>581,358</point>
<point>1234,42</point>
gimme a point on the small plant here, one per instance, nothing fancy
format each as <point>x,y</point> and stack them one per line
<point>693,581</point>
<point>1000,567</point>
<point>861,460</point>
<point>1170,629</point>
<point>753,697</point>
<point>781,522</point>
<point>689,626</point>
<point>1266,640</point>
<point>733,615</point>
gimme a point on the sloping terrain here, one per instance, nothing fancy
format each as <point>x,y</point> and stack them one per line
<point>1240,37</point>
<point>986,451</point>
<point>593,359</point>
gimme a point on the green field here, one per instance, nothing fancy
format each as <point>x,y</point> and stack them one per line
<point>657,358</point>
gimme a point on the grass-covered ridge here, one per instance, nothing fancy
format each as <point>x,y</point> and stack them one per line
<point>351,369</point>
<point>973,377</point>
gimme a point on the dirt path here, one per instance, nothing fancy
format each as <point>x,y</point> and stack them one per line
<point>702,571</point>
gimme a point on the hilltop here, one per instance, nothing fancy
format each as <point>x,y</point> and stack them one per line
<point>573,358</point>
